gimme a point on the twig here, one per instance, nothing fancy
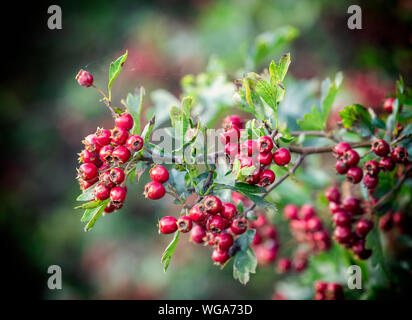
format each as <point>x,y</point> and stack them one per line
<point>311,150</point>
<point>106,101</point>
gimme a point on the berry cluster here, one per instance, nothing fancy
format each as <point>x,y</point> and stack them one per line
<point>328,291</point>
<point>265,243</point>
<point>257,153</point>
<point>346,215</point>
<point>155,190</point>
<point>105,157</point>
<point>394,219</point>
<point>348,160</point>
<point>210,222</point>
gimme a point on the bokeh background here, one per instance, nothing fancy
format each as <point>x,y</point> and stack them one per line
<point>45,115</point>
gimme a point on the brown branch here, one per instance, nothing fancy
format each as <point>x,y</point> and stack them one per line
<point>311,150</point>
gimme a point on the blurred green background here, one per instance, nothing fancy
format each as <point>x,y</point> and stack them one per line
<point>45,115</point>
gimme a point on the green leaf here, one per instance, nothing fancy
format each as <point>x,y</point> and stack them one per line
<point>278,72</point>
<point>268,93</point>
<point>87,194</point>
<point>89,205</point>
<point>134,106</point>
<point>115,68</point>
<point>147,130</point>
<point>245,239</point>
<point>175,115</point>
<point>244,264</point>
<point>95,215</point>
<point>169,251</point>
<point>187,103</point>
<point>312,121</point>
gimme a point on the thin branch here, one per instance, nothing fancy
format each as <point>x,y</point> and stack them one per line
<point>311,150</point>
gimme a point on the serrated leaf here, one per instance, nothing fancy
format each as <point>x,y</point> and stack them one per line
<point>244,264</point>
<point>115,68</point>
<point>169,251</point>
<point>312,121</point>
<point>356,114</point>
<point>94,215</point>
<point>134,106</point>
<point>87,194</point>
<point>267,92</point>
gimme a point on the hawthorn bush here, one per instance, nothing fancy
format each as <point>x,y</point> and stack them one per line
<point>222,180</point>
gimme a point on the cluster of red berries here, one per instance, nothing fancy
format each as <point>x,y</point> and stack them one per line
<point>298,263</point>
<point>210,222</point>
<point>348,160</point>
<point>257,153</point>
<point>155,190</point>
<point>394,219</point>
<point>104,159</point>
<point>265,243</point>
<point>346,214</point>
<point>328,291</point>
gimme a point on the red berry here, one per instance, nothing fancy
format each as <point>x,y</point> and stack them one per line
<point>386,164</point>
<point>321,235</point>
<point>321,286</point>
<point>91,144</point>
<point>198,213</point>
<point>106,180</point>
<point>268,231</point>
<point>87,171</point>
<point>215,224</point>
<point>233,120</point>
<point>232,149</point>
<point>264,159</point>
<point>266,178</point>
<point>245,161</point>
<point>399,218</point>
<point>154,190</point>
<point>399,155</point>
<point>380,147</point>
<point>117,175</point>
<point>306,212</point>
<point>290,212</point>
<point>386,221</point>
<point>370,182</point>
<point>300,264</point>
<point>238,225</point>
<point>118,194</point>
<point>228,210</point>
<point>284,265</point>
<point>231,134</point>
<point>334,207</point>
<point>371,167</point>
<point>101,192</point>
<point>167,225</point>
<point>159,173</point>
<point>342,234</point>
<point>265,144</point>
<point>105,153</point>
<point>351,158</point>
<point>198,234</point>
<point>265,253</point>
<point>212,204</point>
<point>84,184</point>
<point>89,157</point>
<point>313,224</point>
<point>224,241</point>
<point>332,194</point>
<point>125,121</point>
<point>109,208</point>
<point>121,154</point>
<point>257,239</point>
<point>341,167</point>
<point>342,218</point>
<point>351,204</point>
<point>336,291</point>
<point>102,136</point>
<point>184,224</point>
<point>220,256</point>
<point>340,149</point>
<point>259,222</point>
<point>119,135</point>
<point>365,254</point>
<point>363,227</point>
<point>281,156</point>
<point>249,148</point>
<point>354,175</point>
<point>388,104</point>
<point>254,177</point>
<point>134,143</point>
<point>84,78</point>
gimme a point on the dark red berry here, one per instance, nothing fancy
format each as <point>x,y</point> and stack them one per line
<point>266,178</point>
<point>119,136</point>
<point>118,194</point>
<point>340,149</point>
<point>284,265</point>
<point>264,159</point>
<point>106,180</point>
<point>342,234</point>
<point>386,221</point>
<point>212,204</point>
<point>249,148</point>
<point>103,136</point>
<point>87,171</point>
<point>84,78</point>
<point>89,157</point>
<point>121,154</point>
<point>354,175</point>
<point>198,234</point>
<point>238,225</point>
<point>101,192</point>
<point>117,175</point>
<point>321,286</point>
<point>371,167</point>
<point>233,120</point>
<point>306,212</point>
<point>334,207</point>
<point>281,157</point>
<point>220,256</point>
<point>85,184</point>
<point>254,177</point>
<point>380,147</point>
<point>300,264</point>
<point>365,254</point>
<point>110,208</point>
<point>159,173</point>
<point>290,212</point>
<point>215,224</point>
<point>134,143</point>
<point>388,104</point>
<point>332,194</point>
<point>351,158</point>
<point>399,155</point>
<point>341,167</point>
<point>265,144</point>
<point>224,241</point>
<point>154,190</point>
<point>335,290</point>
<point>198,213</point>
<point>228,210</point>
<point>342,218</point>
<point>105,153</point>
<point>386,164</point>
<point>363,227</point>
<point>370,182</point>
<point>351,204</point>
<point>184,224</point>
<point>167,225</point>
<point>124,120</point>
